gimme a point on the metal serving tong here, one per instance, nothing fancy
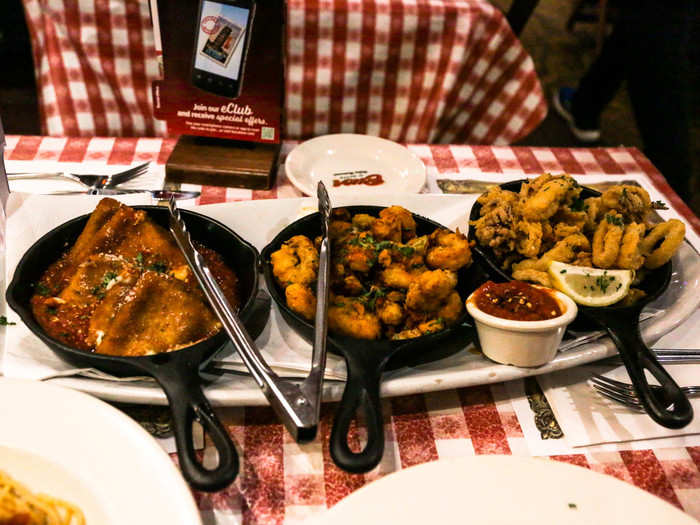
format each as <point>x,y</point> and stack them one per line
<point>296,409</point>
<point>314,381</point>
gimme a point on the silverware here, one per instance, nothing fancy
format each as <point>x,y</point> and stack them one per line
<point>625,394</point>
<point>163,195</point>
<point>667,356</point>
<point>286,398</point>
<point>312,385</point>
<point>87,180</point>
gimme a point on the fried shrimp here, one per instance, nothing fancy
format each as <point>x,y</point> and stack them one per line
<point>630,256</point>
<point>301,300</point>
<point>381,283</point>
<point>429,290</point>
<point>662,242</point>
<point>349,316</point>
<point>448,250</point>
<point>403,217</point>
<point>606,240</point>
<point>295,262</point>
<point>390,313</point>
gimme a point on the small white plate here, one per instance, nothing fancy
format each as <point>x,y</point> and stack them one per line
<point>74,447</point>
<point>501,490</point>
<point>350,163</point>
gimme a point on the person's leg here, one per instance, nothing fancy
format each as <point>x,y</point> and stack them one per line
<point>602,80</point>
<point>658,83</point>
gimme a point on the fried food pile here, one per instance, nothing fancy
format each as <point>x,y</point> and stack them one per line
<point>385,280</point>
<point>549,221</point>
<point>124,288</point>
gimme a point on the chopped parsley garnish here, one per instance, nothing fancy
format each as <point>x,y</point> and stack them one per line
<point>603,281</point>
<point>659,205</point>
<point>51,310</point>
<point>99,290</point>
<point>578,205</point>
<point>370,298</point>
<point>614,219</point>
<point>108,278</point>
<point>406,251</point>
<point>573,506</point>
<point>383,245</point>
<point>563,271</point>
<point>158,267</point>
<point>5,322</point>
<point>42,290</point>
<point>139,260</point>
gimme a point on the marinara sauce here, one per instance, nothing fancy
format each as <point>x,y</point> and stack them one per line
<point>516,300</point>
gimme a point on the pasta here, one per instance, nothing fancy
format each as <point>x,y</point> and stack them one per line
<point>20,506</point>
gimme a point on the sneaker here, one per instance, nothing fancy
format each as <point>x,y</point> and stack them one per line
<point>562,104</point>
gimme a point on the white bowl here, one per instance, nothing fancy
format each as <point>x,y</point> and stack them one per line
<point>522,343</point>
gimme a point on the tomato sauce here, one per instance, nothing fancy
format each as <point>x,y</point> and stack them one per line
<point>517,301</point>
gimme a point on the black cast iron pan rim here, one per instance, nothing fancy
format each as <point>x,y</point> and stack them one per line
<point>365,359</point>
<point>178,371</point>
<point>622,324</point>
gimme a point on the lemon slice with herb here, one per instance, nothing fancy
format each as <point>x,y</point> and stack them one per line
<point>590,286</point>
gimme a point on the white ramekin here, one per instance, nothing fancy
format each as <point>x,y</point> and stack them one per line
<point>522,343</point>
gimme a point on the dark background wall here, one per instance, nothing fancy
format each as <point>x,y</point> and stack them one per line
<point>18,103</point>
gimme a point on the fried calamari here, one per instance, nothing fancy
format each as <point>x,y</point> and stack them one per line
<point>547,220</point>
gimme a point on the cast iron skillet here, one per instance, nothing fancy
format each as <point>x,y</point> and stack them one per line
<point>365,359</point>
<point>622,324</point>
<point>177,372</point>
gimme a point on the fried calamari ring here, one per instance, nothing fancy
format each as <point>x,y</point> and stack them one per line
<point>671,234</point>
<point>630,256</point>
<point>606,240</point>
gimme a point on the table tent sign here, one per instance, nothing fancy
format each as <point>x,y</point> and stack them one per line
<point>221,88</point>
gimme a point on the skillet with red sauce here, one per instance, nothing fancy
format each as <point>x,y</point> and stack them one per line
<point>177,370</point>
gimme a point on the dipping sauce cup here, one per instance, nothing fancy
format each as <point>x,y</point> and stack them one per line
<point>516,342</point>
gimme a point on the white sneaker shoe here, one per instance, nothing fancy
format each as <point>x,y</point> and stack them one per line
<point>562,104</point>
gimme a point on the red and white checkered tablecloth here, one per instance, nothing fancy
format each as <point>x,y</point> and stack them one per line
<point>281,481</point>
<point>447,71</point>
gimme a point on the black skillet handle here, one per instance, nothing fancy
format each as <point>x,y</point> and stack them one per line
<point>181,383</point>
<point>623,327</point>
<point>365,365</point>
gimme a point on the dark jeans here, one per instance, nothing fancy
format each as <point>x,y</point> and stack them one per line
<point>648,49</point>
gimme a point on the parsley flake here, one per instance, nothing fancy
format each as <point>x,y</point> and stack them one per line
<point>5,322</point>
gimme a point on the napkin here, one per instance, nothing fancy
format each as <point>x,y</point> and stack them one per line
<point>587,418</point>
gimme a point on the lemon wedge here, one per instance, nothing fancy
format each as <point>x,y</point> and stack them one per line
<point>590,286</point>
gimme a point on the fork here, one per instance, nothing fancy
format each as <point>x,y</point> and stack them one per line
<point>90,181</point>
<point>625,394</point>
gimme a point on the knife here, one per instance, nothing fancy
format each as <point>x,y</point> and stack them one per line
<point>156,194</point>
<point>286,398</point>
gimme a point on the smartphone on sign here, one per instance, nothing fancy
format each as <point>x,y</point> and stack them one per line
<point>221,45</point>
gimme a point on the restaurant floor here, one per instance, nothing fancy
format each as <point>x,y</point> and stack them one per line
<point>560,57</point>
